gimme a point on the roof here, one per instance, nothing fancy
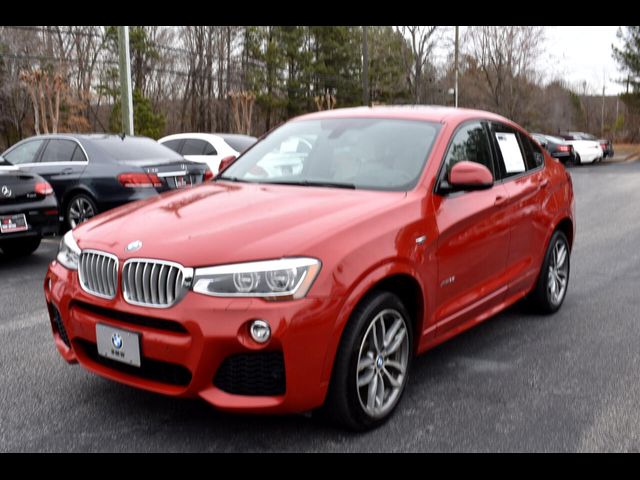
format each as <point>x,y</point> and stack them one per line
<point>433,113</point>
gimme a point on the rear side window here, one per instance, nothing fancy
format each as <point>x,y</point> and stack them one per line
<point>470,143</point>
<point>533,156</point>
<point>173,145</point>
<point>78,155</point>
<point>25,153</point>
<point>194,146</point>
<point>58,151</point>
<point>515,152</point>
<point>209,149</point>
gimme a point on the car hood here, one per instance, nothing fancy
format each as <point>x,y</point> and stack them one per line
<point>221,222</point>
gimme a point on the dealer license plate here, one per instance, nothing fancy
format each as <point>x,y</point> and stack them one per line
<point>117,344</point>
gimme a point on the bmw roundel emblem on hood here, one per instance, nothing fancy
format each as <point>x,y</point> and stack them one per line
<point>133,246</point>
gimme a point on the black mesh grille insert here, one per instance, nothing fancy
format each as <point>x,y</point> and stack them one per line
<point>259,373</point>
<point>162,372</point>
<point>58,325</point>
<point>167,325</point>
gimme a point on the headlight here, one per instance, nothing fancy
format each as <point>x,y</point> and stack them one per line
<point>69,252</point>
<point>284,279</point>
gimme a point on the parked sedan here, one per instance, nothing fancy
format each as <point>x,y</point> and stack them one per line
<point>207,147</point>
<point>586,151</point>
<point>317,287</point>
<point>557,147</point>
<point>28,210</point>
<point>94,173</point>
<point>605,144</point>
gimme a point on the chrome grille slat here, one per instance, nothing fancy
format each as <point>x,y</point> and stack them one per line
<point>98,272</point>
<point>153,283</point>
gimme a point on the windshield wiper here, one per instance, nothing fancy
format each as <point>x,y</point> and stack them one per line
<point>314,183</point>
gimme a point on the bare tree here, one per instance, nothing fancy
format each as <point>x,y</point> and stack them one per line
<point>422,40</point>
<point>505,56</point>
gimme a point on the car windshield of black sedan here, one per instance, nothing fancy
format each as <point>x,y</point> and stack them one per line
<point>366,153</point>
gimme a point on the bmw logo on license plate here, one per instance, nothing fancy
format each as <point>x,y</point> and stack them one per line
<point>116,341</point>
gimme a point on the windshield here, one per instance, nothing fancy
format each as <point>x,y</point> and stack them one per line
<point>367,153</point>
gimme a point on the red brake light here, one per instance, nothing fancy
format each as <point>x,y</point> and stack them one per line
<point>43,189</point>
<point>564,148</point>
<point>139,180</point>
<point>208,175</point>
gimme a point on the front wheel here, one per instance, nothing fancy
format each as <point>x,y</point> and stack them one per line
<point>553,281</point>
<point>372,363</point>
<point>20,247</point>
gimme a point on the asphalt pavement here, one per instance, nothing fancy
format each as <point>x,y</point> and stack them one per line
<point>518,382</point>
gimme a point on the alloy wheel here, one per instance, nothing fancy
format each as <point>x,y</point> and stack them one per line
<point>382,363</point>
<point>558,272</point>
<point>80,210</point>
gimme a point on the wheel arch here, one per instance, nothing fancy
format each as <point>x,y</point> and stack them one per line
<point>398,278</point>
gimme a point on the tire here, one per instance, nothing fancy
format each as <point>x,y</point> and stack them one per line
<point>545,298</point>
<point>79,209</point>
<point>349,405</point>
<point>577,160</point>
<point>20,247</point>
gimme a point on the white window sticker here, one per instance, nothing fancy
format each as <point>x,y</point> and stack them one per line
<point>511,153</point>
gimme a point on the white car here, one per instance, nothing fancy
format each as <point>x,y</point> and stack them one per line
<point>208,148</point>
<point>587,151</point>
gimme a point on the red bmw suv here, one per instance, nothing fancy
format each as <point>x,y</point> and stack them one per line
<point>276,289</point>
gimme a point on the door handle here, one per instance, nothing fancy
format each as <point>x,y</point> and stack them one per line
<point>500,199</point>
<point>67,171</point>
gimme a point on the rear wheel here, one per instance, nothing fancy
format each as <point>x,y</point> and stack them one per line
<point>372,364</point>
<point>80,209</point>
<point>577,160</point>
<point>553,281</point>
<point>20,247</point>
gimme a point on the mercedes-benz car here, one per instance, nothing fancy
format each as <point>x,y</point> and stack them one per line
<point>28,210</point>
<point>92,173</point>
<point>315,288</point>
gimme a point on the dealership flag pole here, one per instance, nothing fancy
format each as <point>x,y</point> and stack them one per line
<point>125,80</point>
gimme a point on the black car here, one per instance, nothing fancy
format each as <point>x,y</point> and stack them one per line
<point>605,144</point>
<point>28,210</point>
<point>557,147</point>
<point>97,172</point>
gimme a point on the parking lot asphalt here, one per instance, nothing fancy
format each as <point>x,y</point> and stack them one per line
<point>518,382</point>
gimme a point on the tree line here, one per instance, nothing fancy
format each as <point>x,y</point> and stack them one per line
<point>251,78</point>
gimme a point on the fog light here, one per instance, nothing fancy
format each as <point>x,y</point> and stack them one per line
<point>260,331</point>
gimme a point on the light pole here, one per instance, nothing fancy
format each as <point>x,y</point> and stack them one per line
<point>126,100</point>
<point>456,69</point>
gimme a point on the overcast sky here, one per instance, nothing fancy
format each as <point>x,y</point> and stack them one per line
<point>580,54</point>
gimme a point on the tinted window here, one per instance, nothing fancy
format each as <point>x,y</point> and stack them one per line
<point>209,149</point>
<point>238,142</point>
<point>194,146</point>
<point>470,143</point>
<point>78,155</point>
<point>512,159</point>
<point>24,153</point>
<point>533,156</point>
<point>368,153</point>
<point>133,148</point>
<point>173,145</point>
<point>58,151</point>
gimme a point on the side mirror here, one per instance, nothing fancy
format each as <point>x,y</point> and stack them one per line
<point>470,176</point>
<point>225,162</point>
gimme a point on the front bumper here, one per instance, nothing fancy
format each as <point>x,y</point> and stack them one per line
<point>190,341</point>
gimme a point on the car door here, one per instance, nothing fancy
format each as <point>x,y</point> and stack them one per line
<point>473,235</point>
<point>521,168</point>
<point>62,163</point>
